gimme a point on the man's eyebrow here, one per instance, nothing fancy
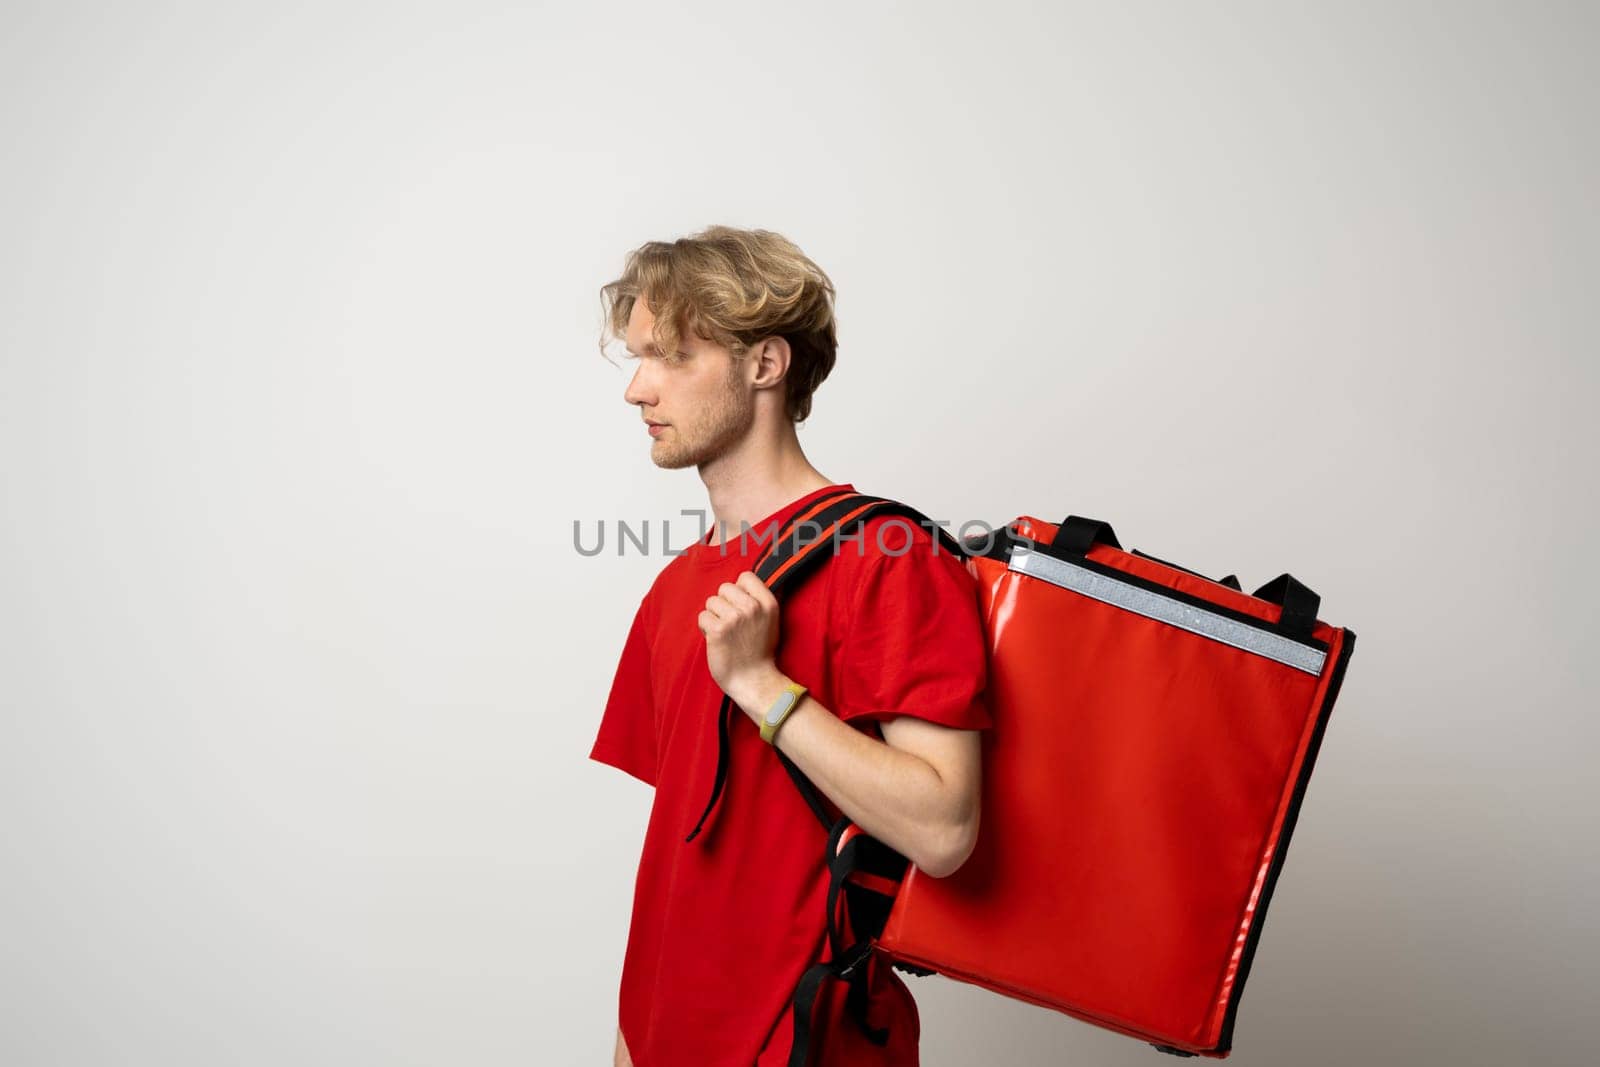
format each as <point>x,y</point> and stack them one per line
<point>649,346</point>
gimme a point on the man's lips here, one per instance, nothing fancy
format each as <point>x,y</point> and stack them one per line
<point>655,428</point>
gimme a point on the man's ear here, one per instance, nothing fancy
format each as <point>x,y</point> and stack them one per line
<point>771,357</point>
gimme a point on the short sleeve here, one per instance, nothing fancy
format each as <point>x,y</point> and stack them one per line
<point>914,644</point>
<point>627,736</point>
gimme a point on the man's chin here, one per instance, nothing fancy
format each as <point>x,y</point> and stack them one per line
<point>672,460</point>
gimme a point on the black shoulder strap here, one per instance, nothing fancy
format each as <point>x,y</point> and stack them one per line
<point>800,547</point>
<point>795,555</point>
<point>849,962</point>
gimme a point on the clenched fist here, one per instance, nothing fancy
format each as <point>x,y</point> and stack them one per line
<point>741,627</point>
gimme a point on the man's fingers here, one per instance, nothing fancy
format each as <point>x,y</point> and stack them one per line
<point>745,597</point>
<point>753,585</point>
<point>739,598</point>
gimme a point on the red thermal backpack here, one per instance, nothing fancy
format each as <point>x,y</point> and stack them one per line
<point>1154,731</point>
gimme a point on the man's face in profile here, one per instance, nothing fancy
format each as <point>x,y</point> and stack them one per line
<point>699,394</point>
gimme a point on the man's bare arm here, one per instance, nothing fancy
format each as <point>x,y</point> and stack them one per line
<point>621,1058</point>
<point>917,791</point>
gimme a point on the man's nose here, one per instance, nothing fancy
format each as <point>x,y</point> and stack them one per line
<point>639,390</point>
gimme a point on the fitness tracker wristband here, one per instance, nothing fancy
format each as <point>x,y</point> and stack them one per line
<point>787,701</point>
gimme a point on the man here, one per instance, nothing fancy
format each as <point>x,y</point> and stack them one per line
<point>733,331</point>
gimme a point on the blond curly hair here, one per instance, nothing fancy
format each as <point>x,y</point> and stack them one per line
<point>734,287</point>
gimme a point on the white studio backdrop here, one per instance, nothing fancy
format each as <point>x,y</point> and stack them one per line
<point>300,399</point>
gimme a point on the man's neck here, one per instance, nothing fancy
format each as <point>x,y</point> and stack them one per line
<point>755,479</point>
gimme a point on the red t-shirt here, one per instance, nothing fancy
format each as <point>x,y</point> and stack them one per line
<point>724,926</point>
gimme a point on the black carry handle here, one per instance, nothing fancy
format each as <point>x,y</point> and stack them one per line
<point>1299,604</point>
<point>1076,535</point>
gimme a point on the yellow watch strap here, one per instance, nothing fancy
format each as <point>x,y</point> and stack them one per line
<point>769,730</point>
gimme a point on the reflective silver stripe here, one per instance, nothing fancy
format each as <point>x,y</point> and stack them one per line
<point>1166,609</point>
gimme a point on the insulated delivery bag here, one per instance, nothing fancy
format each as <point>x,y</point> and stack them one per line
<point>1154,731</point>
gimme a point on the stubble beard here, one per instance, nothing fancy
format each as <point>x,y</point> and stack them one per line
<point>716,428</point>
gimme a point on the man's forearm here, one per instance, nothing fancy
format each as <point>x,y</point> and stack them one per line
<point>895,796</point>
<point>621,1057</point>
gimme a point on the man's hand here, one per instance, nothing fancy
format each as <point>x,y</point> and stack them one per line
<point>741,628</point>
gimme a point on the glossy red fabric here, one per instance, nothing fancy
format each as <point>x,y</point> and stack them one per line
<point>723,927</point>
<point>1138,786</point>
